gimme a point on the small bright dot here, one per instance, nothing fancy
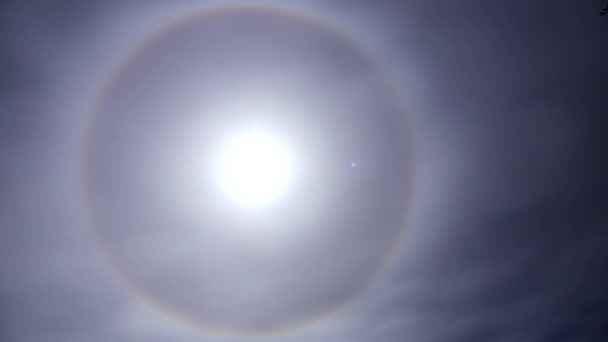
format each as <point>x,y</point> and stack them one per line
<point>353,165</point>
<point>254,169</point>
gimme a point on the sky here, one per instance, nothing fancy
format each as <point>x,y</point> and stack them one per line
<point>477,210</point>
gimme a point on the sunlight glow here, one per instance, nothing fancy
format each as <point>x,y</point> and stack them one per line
<point>253,169</point>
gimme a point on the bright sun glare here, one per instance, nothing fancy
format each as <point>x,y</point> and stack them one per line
<point>253,169</point>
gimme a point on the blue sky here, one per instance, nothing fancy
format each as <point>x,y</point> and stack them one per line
<point>506,212</point>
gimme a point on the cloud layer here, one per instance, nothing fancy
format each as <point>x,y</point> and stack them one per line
<point>507,230</point>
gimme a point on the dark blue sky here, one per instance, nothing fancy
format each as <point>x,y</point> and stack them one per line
<point>508,223</point>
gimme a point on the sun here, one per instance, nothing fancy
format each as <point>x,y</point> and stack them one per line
<point>253,169</point>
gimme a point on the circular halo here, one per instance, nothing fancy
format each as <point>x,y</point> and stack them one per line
<point>206,13</point>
